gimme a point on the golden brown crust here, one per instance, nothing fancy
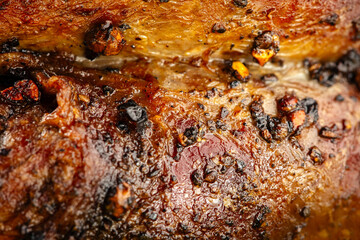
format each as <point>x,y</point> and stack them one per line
<point>321,29</point>
<point>145,159</point>
<point>182,135</point>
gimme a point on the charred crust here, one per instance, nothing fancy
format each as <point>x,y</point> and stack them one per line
<point>348,65</point>
<point>107,90</point>
<point>279,128</point>
<point>316,156</point>
<point>240,166</point>
<point>34,235</point>
<point>210,174</point>
<point>133,111</point>
<point>260,217</point>
<point>23,92</point>
<point>293,116</point>
<point>191,135</point>
<point>261,119</point>
<point>327,74</point>
<point>330,132</point>
<point>265,40</point>
<point>240,3</point>
<point>147,164</point>
<point>124,27</point>
<point>266,46</point>
<point>104,39</point>
<point>339,98</point>
<point>178,149</point>
<point>132,117</point>
<point>305,212</point>
<point>9,46</point>
<point>332,19</point>
<point>118,200</point>
<point>4,152</point>
<point>311,108</point>
<point>218,28</point>
<point>196,178</point>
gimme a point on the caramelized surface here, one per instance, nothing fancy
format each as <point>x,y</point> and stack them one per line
<point>180,134</point>
<point>80,166</point>
<point>321,29</point>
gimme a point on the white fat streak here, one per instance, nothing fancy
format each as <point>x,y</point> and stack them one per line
<point>104,61</point>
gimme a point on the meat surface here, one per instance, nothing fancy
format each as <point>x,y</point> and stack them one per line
<point>179,120</point>
<point>323,29</point>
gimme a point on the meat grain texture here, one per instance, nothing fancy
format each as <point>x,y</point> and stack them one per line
<point>179,119</point>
